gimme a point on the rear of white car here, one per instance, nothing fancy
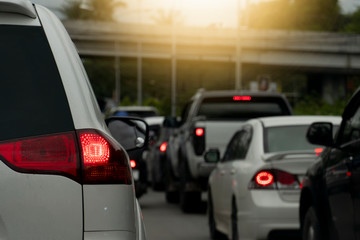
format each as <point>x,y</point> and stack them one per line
<point>62,175</point>
<point>256,195</point>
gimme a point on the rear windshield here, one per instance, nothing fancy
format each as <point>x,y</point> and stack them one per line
<point>228,108</point>
<point>32,98</point>
<point>288,138</point>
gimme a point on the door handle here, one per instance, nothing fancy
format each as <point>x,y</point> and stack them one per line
<point>233,171</point>
<point>222,172</point>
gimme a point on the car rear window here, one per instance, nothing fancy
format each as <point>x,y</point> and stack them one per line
<point>288,138</point>
<point>32,97</point>
<point>233,108</point>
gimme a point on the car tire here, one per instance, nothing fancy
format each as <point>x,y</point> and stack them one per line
<point>234,221</point>
<point>311,229</point>
<point>190,201</point>
<point>171,192</point>
<point>172,197</point>
<point>214,233</point>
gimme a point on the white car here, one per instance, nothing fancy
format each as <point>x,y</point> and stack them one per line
<point>255,188</point>
<point>63,175</point>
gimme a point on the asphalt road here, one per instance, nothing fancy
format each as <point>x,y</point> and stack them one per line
<point>164,221</point>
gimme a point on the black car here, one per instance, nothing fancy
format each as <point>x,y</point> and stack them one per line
<point>330,195</point>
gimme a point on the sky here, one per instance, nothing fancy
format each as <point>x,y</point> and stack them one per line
<point>194,12</point>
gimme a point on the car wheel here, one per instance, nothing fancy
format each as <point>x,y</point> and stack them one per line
<point>214,233</point>
<point>190,201</point>
<point>234,221</point>
<point>311,230</point>
<point>172,197</point>
<point>171,192</point>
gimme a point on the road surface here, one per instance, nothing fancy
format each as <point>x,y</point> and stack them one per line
<point>164,221</point>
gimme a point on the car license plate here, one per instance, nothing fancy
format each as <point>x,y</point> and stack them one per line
<point>136,174</point>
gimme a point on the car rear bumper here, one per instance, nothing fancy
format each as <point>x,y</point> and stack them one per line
<point>109,235</point>
<point>267,213</point>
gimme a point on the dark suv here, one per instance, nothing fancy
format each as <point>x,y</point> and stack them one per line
<point>330,196</point>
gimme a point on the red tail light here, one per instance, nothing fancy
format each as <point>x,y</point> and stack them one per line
<point>264,178</point>
<point>242,98</point>
<point>103,160</point>
<point>132,163</point>
<point>199,140</point>
<point>318,151</point>
<point>163,147</point>
<point>199,132</point>
<point>94,160</point>
<point>46,154</point>
<point>274,179</point>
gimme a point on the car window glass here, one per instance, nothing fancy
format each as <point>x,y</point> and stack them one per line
<point>227,108</point>
<point>238,146</point>
<point>351,130</point>
<point>287,138</point>
<point>32,95</point>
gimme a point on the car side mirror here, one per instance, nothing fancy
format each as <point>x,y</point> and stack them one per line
<point>131,133</point>
<point>212,156</point>
<point>321,133</point>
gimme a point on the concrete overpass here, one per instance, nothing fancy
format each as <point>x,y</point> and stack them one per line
<point>327,59</point>
<point>326,51</point>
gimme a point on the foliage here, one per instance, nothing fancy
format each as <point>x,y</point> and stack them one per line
<point>353,22</point>
<point>102,10</point>
<point>315,15</point>
<point>307,106</point>
<point>167,18</point>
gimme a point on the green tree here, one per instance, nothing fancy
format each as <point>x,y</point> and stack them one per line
<point>313,15</point>
<point>102,10</point>
<point>353,22</point>
<point>167,18</point>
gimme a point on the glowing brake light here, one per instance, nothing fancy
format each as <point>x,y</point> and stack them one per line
<point>199,132</point>
<point>163,147</point>
<point>85,156</point>
<point>95,148</point>
<point>318,151</point>
<point>132,163</point>
<point>264,178</point>
<point>242,98</point>
<point>274,179</point>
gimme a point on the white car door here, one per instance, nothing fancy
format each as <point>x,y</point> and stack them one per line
<point>235,153</point>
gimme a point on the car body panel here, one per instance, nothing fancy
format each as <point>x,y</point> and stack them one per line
<point>109,208</point>
<point>39,206</point>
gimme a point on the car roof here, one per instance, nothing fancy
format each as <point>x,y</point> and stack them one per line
<point>156,120</point>
<point>297,120</point>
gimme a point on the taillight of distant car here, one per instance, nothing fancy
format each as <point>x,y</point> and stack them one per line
<point>132,163</point>
<point>199,140</point>
<point>163,147</point>
<point>85,156</point>
<point>242,98</point>
<point>318,151</point>
<point>274,179</point>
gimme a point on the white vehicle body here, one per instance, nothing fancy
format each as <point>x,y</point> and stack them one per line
<point>234,197</point>
<point>54,206</point>
<point>216,114</point>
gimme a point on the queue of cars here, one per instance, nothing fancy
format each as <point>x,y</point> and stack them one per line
<point>64,172</point>
<point>286,177</point>
<point>209,120</point>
